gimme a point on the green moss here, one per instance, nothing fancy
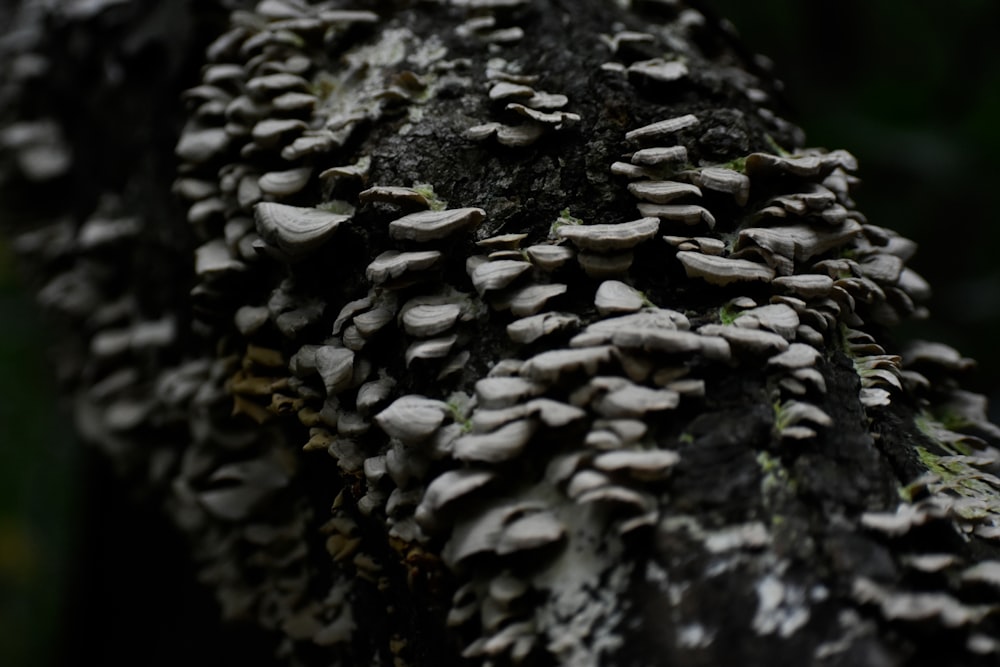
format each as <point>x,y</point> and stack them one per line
<point>949,441</point>
<point>959,476</point>
<point>776,479</point>
<point>459,409</point>
<point>781,418</point>
<point>338,206</point>
<point>951,420</point>
<point>774,146</point>
<point>739,164</point>
<point>427,190</point>
<point>728,314</point>
<point>565,218</point>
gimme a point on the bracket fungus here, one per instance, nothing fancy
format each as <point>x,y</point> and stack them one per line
<point>533,430</point>
<point>293,229</point>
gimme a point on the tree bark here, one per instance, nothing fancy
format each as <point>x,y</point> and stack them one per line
<point>371,312</point>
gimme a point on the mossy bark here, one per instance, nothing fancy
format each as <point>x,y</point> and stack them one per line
<point>191,338</point>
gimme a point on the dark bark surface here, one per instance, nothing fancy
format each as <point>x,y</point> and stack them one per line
<point>359,338</point>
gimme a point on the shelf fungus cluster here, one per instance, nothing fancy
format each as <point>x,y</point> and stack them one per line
<point>459,370</point>
<point>531,112</point>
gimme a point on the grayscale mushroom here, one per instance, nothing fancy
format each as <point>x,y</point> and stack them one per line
<point>663,156</point>
<point>662,192</point>
<point>552,365</point>
<point>549,257</point>
<point>642,464</point>
<point>614,297</point>
<point>336,366</point>
<point>721,179</point>
<point>557,119</point>
<point>444,490</point>
<point>659,70</point>
<point>284,183</point>
<point>424,320</point>
<point>434,225</point>
<point>663,128</point>
<point>689,214</point>
<point>754,341</point>
<point>392,265</point>
<point>430,348</point>
<point>529,329</point>
<point>489,276</point>
<point>295,230</point>
<point>610,237</point>
<point>412,419</point>
<point>723,270</point>
<point>532,531</point>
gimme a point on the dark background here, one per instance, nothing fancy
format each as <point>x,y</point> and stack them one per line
<point>911,88</point>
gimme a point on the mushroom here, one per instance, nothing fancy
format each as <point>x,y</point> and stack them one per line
<point>644,465</point>
<point>660,156</point>
<point>614,296</point>
<point>797,355</point>
<point>336,366</point>
<point>662,128</point>
<point>723,270</point>
<point>502,241</point>
<point>500,392</point>
<point>447,488</point>
<point>370,322</point>
<point>502,444</point>
<point>214,258</point>
<point>270,132</point>
<point>662,192</point>
<point>689,214</point>
<point>923,353</point>
<point>531,299</point>
<point>725,180</point>
<point>430,348</point>
<point>630,170</point>
<point>631,400</point>
<point>272,84</point>
<point>531,531</point>
<point>808,285</point>
<point>610,237</point>
<point>703,244</point>
<point>504,90</point>
<point>489,276</point>
<point>423,320</point>
<point>776,317</point>
<point>601,265</point>
<point>199,145</point>
<point>659,70</point>
<point>295,230</point>
<point>434,225</point>
<point>752,340</point>
<point>480,532</point>
<point>805,166</point>
<point>529,329</point>
<point>549,257</point>
<point>284,183</point>
<point>392,264</point>
<point>552,365</point>
<point>412,419</point>
<point>372,393</point>
<point>557,119</point>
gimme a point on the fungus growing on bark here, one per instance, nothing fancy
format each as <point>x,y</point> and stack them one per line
<point>585,423</point>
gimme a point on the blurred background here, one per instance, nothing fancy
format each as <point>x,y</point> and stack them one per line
<point>912,89</point>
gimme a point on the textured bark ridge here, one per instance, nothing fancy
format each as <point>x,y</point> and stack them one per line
<point>506,332</point>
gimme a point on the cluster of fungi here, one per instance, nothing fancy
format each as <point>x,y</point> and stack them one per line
<point>521,365</point>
